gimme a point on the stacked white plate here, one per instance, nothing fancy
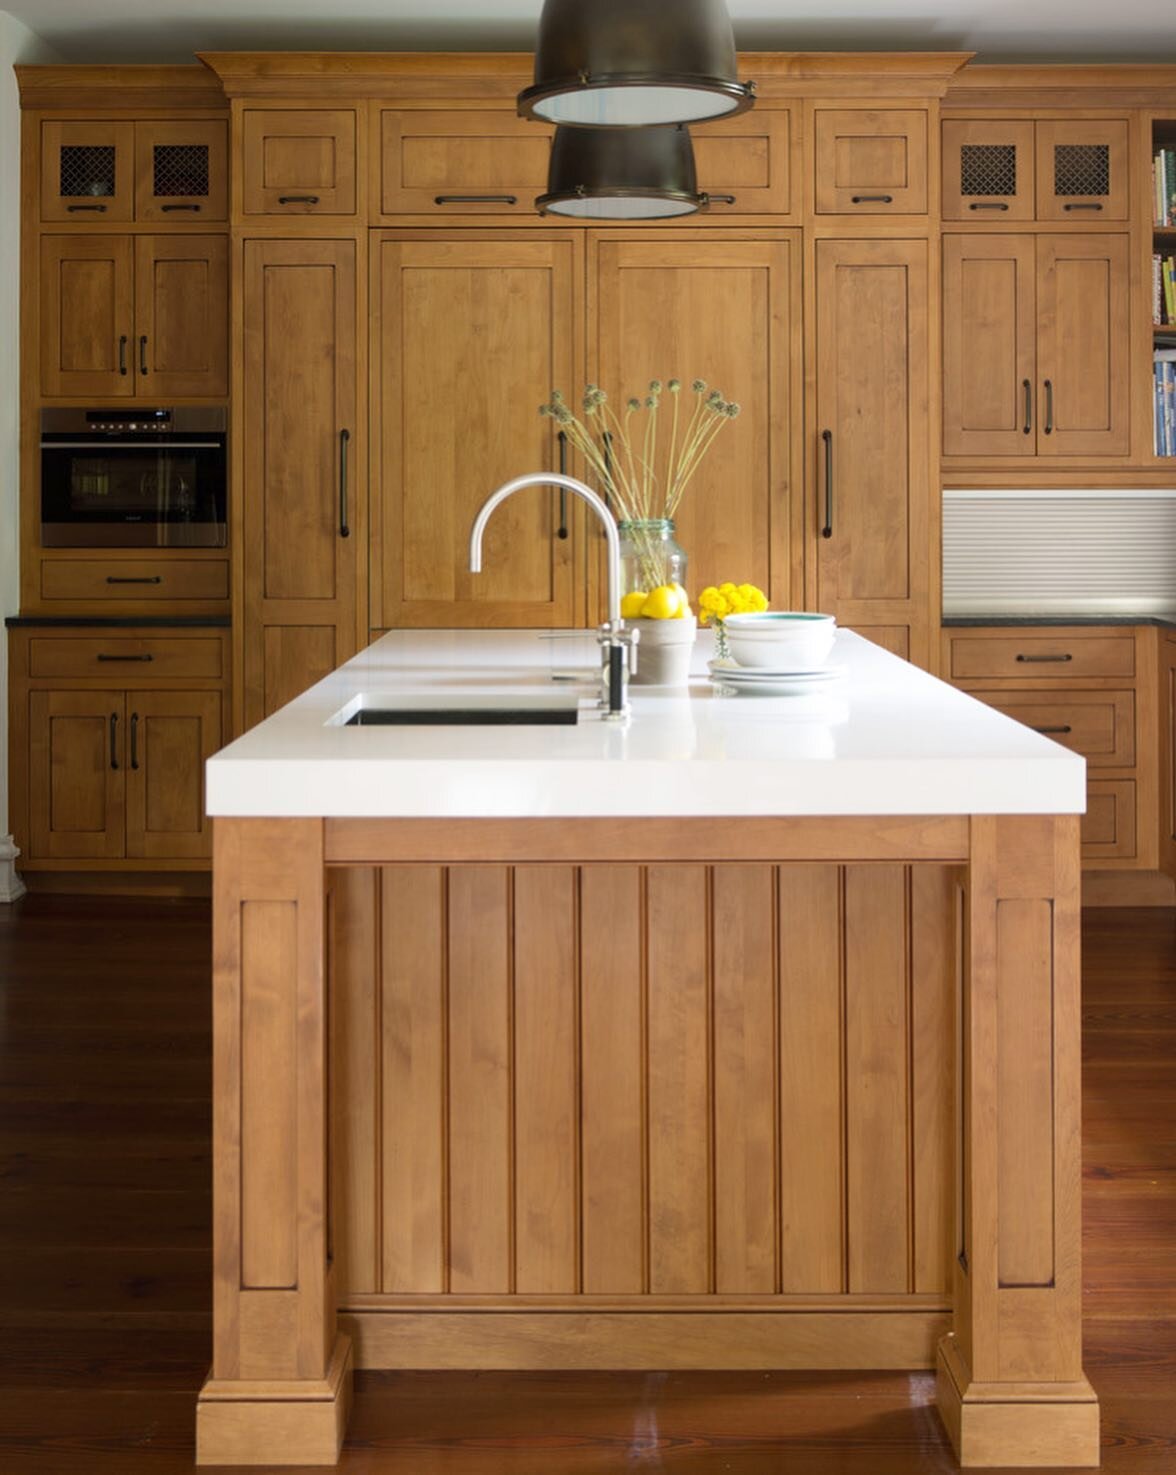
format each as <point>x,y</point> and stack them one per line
<point>767,681</point>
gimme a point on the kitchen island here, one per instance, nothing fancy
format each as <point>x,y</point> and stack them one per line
<point>744,1034</point>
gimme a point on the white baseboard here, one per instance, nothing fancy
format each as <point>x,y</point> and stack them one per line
<point>12,888</point>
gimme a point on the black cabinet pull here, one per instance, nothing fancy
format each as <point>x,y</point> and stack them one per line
<point>1027,428</point>
<point>170,209</point>
<point>1062,728</point>
<point>475,199</point>
<point>122,354</point>
<point>720,199</point>
<point>873,199</point>
<point>1043,660</point>
<point>134,579</point>
<point>1082,205</point>
<point>827,437</point>
<point>988,205</point>
<point>144,656</point>
<point>1048,427</point>
<point>344,440</point>
<point>101,209</point>
<point>114,740</point>
<point>135,740</point>
<point>298,199</point>
<point>143,353</point>
<point>562,531</point>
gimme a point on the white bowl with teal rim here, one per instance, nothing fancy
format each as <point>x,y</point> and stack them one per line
<point>783,640</point>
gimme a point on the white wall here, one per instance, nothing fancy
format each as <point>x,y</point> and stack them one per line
<point>17,44</point>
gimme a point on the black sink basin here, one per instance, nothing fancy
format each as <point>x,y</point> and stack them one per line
<point>464,717</point>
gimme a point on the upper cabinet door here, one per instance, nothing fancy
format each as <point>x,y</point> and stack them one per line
<point>871,438</point>
<point>1084,339</point>
<point>871,161</point>
<point>745,164</point>
<point>728,312</point>
<point>180,170</point>
<point>302,454</point>
<point>86,315</point>
<point>989,343</point>
<point>181,315</point>
<point>469,339</point>
<point>298,161</point>
<point>1082,170</point>
<point>87,171</point>
<point>453,162</point>
<point>988,169</point>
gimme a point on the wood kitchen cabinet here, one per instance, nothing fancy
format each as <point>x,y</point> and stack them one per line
<point>470,335</point>
<point>870,161</point>
<point>110,731</point>
<point>299,460</point>
<point>870,464</point>
<point>1036,345</point>
<point>140,315</point>
<point>299,161</point>
<point>1057,169</point>
<point>151,169</point>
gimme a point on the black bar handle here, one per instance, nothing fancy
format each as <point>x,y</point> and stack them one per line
<point>827,437</point>
<point>143,656</point>
<point>298,199</point>
<point>114,740</point>
<point>135,740</point>
<point>606,438</point>
<point>1082,205</point>
<point>122,354</point>
<point>134,579</point>
<point>169,209</point>
<point>873,199</point>
<point>475,199</point>
<point>344,441</point>
<point>1063,728</point>
<point>988,205</point>
<point>101,209</point>
<point>721,199</point>
<point>562,531</point>
<point>1048,407</point>
<point>1043,660</point>
<point>1027,428</point>
<point>142,353</point>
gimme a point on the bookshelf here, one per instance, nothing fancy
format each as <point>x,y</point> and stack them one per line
<point>1163,286</point>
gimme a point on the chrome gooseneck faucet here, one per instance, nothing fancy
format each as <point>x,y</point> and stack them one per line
<point>618,645</point>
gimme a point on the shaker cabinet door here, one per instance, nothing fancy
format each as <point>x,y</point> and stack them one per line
<point>469,339</point>
<point>302,458</point>
<point>870,446</point>
<point>181,315</point>
<point>170,737</point>
<point>77,770</point>
<point>87,307</point>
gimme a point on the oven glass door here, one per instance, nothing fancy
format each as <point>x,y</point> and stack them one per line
<point>103,494</point>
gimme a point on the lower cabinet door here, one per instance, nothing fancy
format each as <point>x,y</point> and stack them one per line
<point>76,774</point>
<point>170,735</point>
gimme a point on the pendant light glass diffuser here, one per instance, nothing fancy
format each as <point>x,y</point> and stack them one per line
<point>621,174</point>
<point>634,63</point>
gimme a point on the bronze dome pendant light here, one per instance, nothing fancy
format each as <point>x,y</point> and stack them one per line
<point>634,63</point>
<point>621,174</point>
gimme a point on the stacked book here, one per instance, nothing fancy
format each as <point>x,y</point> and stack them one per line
<point>1164,186</point>
<point>1163,290</point>
<point>1165,387</point>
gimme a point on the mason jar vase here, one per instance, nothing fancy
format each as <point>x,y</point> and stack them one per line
<point>650,555</point>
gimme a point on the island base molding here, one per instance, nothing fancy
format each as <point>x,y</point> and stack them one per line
<point>272,1422</point>
<point>1032,1425</point>
<point>677,1341</point>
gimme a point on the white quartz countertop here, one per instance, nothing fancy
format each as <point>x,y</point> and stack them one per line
<point>885,739</point>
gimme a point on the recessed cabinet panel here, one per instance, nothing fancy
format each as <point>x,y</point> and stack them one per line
<point>170,737</point>
<point>87,307</point>
<point>87,171</point>
<point>181,315</point>
<point>457,163</point>
<point>76,774</point>
<point>181,170</point>
<point>298,162</point>
<point>871,161</point>
<point>988,169</point>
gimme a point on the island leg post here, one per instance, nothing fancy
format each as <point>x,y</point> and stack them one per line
<point>1010,1384</point>
<point>280,1386</point>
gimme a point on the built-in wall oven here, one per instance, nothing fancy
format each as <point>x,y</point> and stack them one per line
<point>133,478</point>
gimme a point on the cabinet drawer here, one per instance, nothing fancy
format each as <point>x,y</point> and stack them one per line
<point>871,161</point>
<point>1108,826</point>
<point>126,581</point>
<point>298,162</point>
<point>1041,657</point>
<point>127,657</point>
<point>1098,724</point>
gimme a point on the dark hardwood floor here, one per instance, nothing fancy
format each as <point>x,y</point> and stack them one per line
<point>104,1260</point>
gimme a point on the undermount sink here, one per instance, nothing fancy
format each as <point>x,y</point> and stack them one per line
<point>464,717</point>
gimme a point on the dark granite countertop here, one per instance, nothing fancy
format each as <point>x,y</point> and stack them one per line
<point>116,622</point>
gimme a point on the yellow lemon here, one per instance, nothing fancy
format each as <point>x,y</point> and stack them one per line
<point>631,605</point>
<point>683,602</point>
<point>661,603</point>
